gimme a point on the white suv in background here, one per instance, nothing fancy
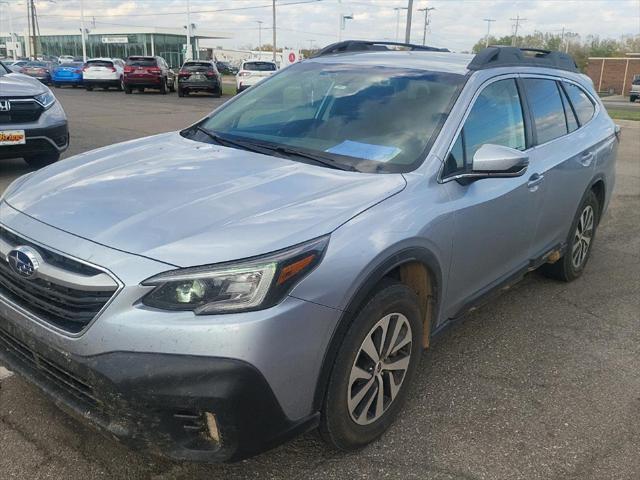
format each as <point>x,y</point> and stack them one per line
<point>252,72</point>
<point>103,72</point>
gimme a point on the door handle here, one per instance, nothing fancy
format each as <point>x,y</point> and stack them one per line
<point>586,158</point>
<point>534,181</point>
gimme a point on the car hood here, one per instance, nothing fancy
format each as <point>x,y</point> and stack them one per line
<point>19,85</point>
<point>189,203</point>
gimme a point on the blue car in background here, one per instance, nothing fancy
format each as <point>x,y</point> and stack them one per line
<point>67,74</point>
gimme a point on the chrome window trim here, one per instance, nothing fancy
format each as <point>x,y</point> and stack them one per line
<point>596,106</point>
<point>49,326</point>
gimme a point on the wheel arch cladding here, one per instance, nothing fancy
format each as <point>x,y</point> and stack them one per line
<point>419,269</point>
<point>598,188</point>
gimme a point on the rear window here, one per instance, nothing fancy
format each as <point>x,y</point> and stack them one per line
<point>99,63</point>
<point>36,64</point>
<point>197,66</point>
<point>260,66</point>
<point>141,62</point>
<point>72,65</point>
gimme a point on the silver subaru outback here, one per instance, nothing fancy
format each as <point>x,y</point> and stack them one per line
<point>280,265</point>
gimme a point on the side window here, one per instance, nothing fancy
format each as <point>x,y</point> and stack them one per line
<point>546,108</point>
<point>496,117</point>
<point>572,122</point>
<point>581,102</point>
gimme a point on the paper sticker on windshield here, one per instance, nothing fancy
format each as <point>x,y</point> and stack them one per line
<point>367,151</point>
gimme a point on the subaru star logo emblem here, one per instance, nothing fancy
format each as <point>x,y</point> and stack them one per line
<point>23,261</point>
<point>5,105</point>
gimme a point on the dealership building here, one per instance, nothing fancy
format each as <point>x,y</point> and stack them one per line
<point>116,42</point>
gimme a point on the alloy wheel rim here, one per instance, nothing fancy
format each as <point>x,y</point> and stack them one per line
<point>582,237</point>
<point>379,370</point>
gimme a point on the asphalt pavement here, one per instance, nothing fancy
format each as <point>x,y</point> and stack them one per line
<point>543,383</point>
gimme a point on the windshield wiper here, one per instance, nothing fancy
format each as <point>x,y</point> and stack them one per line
<point>265,149</point>
<point>220,140</point>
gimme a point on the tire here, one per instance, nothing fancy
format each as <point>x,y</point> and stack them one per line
<point>56,85</point>
<point>75,85</point>
<point>633,99</point>
<point>121,85</point>
<point>571,265</point>
<point>172,86</point>
<point>163,87</point>
<point>89,88</point>
<point>127,90</point>
<point>39,161</point>
<point>348,421</point>
<point>218,93</point>
<point>181,92</point>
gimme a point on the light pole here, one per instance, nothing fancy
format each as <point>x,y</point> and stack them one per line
<point>82,32</point>
<point>488,20</point>
<point>343,23</point>
<point>397,9</point>
<point>188,53</point>
<point>426,22</point>
<point>259,22</point>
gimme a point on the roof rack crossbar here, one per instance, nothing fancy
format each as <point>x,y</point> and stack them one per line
<point>365,45</point>
<point>501,56</point>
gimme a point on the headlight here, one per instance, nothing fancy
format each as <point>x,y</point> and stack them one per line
<point>45,99</point>
<point>252,284</point>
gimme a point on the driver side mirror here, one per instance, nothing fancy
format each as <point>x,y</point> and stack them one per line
<point>496,161</point>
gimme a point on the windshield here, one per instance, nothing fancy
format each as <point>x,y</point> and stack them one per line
<point>259,66</point>
<point>376,119</point>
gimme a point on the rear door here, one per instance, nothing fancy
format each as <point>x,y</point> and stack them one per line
<point>494,218</point>
<point>564,152</point>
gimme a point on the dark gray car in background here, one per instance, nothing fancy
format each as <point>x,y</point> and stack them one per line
<point>199,76</point>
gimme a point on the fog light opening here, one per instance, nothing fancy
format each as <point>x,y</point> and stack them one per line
<point>212,427</point>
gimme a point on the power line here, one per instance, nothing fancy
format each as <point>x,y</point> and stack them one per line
<point>230,9</point>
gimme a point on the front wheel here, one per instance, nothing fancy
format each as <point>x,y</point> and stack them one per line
<point>89,88</point>
<point>163,87</point>
<point>172,86</point>
<point>632,99</point>
<point>373,368</point>
<point>39,161</point>
<point>579,242</point>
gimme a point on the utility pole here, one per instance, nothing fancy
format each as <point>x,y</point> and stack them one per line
<point>397,9</point>
<point>259,22</point>
<point>407,33</point>
<point>426,22</point>
<point>82,32</point>
<point>274,30</point>
<point>514,40</point>
<point>488,20</point>
<point>342,23</point>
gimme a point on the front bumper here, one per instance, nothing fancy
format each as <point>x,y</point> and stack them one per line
<point>159,402</point>
<point>40,140</point>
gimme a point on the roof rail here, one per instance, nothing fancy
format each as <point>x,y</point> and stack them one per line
<point>502,56</point>
<point>365,45</point>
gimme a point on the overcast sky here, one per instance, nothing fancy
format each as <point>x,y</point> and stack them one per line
<point>456,24</point>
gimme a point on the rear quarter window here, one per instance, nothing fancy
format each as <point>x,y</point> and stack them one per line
<point>581,102</point>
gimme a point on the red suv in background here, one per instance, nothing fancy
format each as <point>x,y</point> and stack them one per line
<point>142,72</point>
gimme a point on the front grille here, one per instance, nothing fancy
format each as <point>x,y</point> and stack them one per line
<point>22,111</point>
<point>70,309</point>
<point>63,379</point>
